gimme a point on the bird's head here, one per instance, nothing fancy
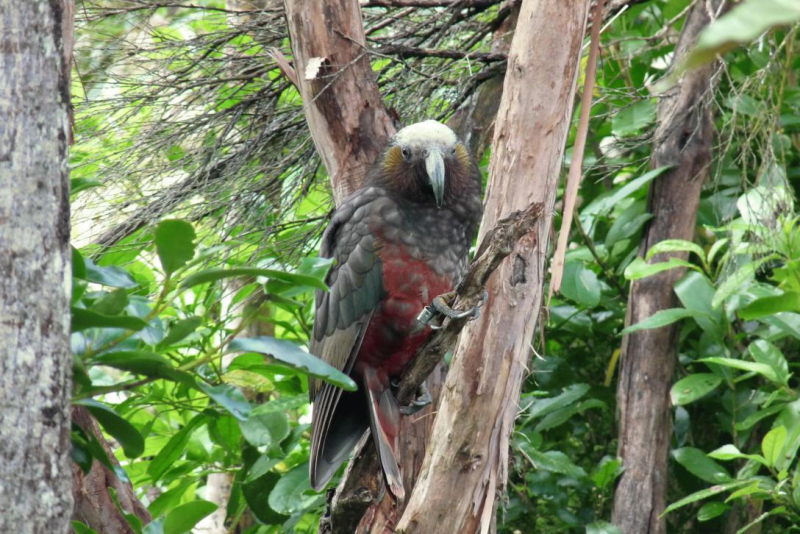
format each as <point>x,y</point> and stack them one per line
<point>427,163</point>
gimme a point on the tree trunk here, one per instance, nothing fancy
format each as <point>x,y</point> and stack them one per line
<point>94,506</point>
<point>35,267</point>
<point>343,107</point>
<point>683,139</point>
<point>468,452</point>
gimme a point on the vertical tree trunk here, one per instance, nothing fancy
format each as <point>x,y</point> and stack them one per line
<point>683,139</point>
<point>468,452</point>
<point>35,267</point>
<point>343,106</point>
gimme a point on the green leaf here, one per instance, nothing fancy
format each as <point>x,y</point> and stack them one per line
<point>135,361</point>
<point>213,275</point>
<point>229,397</point>
<point>602,527</point>
<point>555,461</point>
<point>111,303</point>
<point>186,516</point>
<point>78,265</point>
<point>754,418</point>
<point>764,370</point>
<point>605,204</point>
<point>765,352</point>
<point>736,281</point>
<point>695,293</point>
<point>676,245</point>
<point>80,528</point>
<point>83,319</point>
<point>580,284</point>
<point>287,495</point>
<point>179,330</point>
<point>661,318</point>
<point>696,462</point>
<point>265,429</point>
<point>639,268</point>
<point>631,119</point>
<point>754,487</point>
<point>170,499</point>
<point>704,494</point>
<point>125,433</point>
<point>174,448</point>
<point>174,241</point>
<point>765,306</point>
<point>772,444</point>
<point>293,356</point>
<point>261,467</point>
<point>571,394</point>
<point>608,471</point>
<point>76,185</point>
<point>111,276</point>
<point>156,526</point>
<point>256,493</point>
<point>730,452</point>
<point>693,387</point>
<point>710,510</point>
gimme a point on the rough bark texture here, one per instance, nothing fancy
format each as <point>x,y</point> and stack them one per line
<point>343,107</point>
<point>94,506</point>
<point>683,139</point>
<point>468,452</point>
<point>35,267</point>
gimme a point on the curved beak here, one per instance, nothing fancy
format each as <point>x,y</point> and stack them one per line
<point>434,166</point>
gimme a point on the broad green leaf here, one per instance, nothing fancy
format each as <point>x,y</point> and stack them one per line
<point>80,528</point>
<point>76,185</point>
<point>696,462</point>
<point>693,387</point>
<point>179,330</point>
<point>261,467</point>
<point>602,527</point>
<point>287,495</point>
<point>174,448</point>
<point>715,248</point>
<point>125,433</point>
<point>608,471</point>
<point>213,275</point>
<point>754,418</point>
<point>83,319</point>
<point>710,510</point>
<point>78,265</point>
<point>631,119</point>
<point>555,461</point>
<point>730,452</point>
<point>661,318</point>
<point>90,444</point>
<point>695,293</point>
<point>248,380</point>
<point>763,307</point>
<point>704,494</point>
<point>290,354</point>
<point>736,281</point>
<point>281,405</point>
<point>170,498</point>
<point>559,417</point>
<point>265,429</point>
<point>174,241</point>
<point>764,370</point>
<point>111,276</point>
<point>676,245</point>
<point>750,489</point>
<point>571,394</point>
<point>112,303</point>
<point>135,361</point>
<point>580,284</point>
<point>772,444</point>
<point>229,397</point>
<point>639,268</point>
<point>183,518</point>
<point>256,493</point>
<point>765,352</point>
<point>605,204</point>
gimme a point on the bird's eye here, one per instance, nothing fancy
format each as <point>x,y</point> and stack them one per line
<point>406,153</point>
<point>453,151</point>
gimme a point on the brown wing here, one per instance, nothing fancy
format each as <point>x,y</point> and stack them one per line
<point>342,317</point>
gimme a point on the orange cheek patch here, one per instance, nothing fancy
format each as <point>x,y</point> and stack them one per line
<point>462,155</point>
<point>393,160</point>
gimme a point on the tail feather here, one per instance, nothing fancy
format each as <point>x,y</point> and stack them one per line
<point>384,415</point>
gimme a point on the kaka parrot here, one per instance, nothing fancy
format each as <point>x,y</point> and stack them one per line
<point>399,242</point>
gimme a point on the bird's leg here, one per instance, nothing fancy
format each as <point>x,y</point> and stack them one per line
<point>440,306</point>
<point>423,399</point>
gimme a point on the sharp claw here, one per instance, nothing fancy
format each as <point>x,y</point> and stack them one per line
<point>423,399</point>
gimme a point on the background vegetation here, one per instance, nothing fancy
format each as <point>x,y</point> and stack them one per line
<point>198,201</point>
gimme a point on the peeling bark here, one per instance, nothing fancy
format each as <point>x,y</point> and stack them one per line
<point>343,107</point>
<point>35,266</point>
<point>683,139</point>
<point>469,445</point>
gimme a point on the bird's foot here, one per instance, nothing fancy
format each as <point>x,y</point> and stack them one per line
<point>440,306</point>
<point>423,399</point>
